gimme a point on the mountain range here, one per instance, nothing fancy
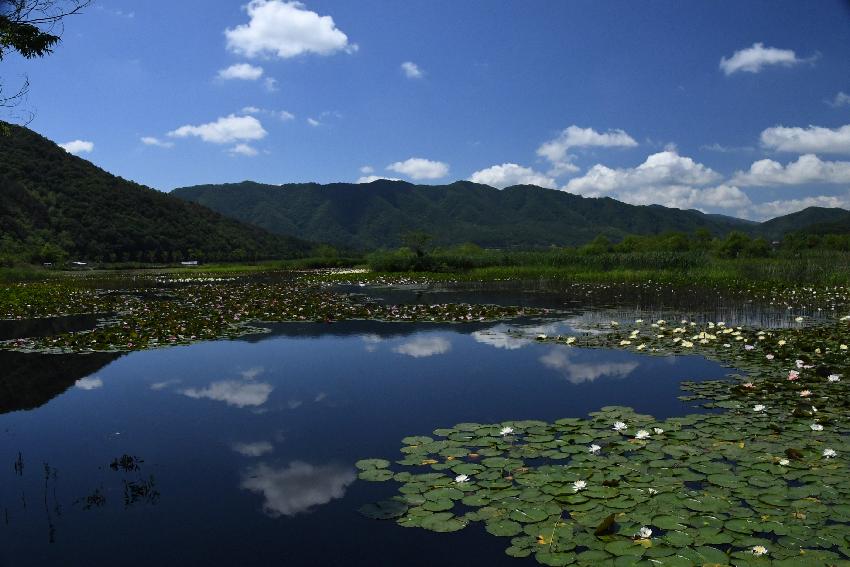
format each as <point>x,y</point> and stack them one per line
<point>54,205</point>
<point>377,214</point>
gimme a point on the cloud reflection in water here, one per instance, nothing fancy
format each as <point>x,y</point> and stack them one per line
<point>297,488</point>
<point>580,372</point>
<point>424,346</point>
<point>234,393</point>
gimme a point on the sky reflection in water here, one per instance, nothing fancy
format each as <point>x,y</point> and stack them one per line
<point>249,445</point>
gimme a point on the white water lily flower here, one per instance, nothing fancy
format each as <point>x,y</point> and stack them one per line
<point>638,321</point>
<point>829,453</point>
<point>619,426</point>
<point>759,550</point>
<point>579,485</point>
<point>784,462</point>
<point>657,430</point>
<point>816,427</point>
<point>759,407</point>
<point>644,533</point>
<point>834,378</point>
<point>652,491</point>
<point>571,340</point>
<point>506,431</point>
<point>842,347</point>
<point>642,434</point>
<point>594,448</point>
<point>461,478</point>
<point>805,393</point>
<point>541,336</point>
<point>769,356</point>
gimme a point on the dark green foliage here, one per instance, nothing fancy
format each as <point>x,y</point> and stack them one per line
<point>816,220</point>
<point>54,206</point>
<point>379,214</point>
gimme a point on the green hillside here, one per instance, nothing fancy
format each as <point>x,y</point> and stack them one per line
<point>815,220</point>
<point>374,215</point>
<point>55,205</point>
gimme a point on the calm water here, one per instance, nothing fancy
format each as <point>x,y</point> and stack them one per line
<point>247,447</point>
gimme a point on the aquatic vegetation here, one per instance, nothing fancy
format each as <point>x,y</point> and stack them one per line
<point>159,311</point>
<point>764,482</point>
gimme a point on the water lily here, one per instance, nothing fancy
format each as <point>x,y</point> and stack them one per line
<point>506,431</point>
<point>784,462</point>
<point>461,478</point>
<point>594,449</point>
<point>816,427</point>
<point>769,356</point>
<point>759,550</point>
<point>829,453</point>
<point>759,407</point>
<point>805,393</point>
<point>749,347</point>
<point>652,491</point>
<point>793,375</point>
<point>644,533</point>
<point>619,426</point>
<point>657,430</point>
<point>834,378</point>
<point>749,385</point>
<point>642,434</point>
<point>571,340</point>
<point>579,485</point>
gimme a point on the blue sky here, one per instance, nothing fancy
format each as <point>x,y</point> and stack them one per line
<point>741,108</point>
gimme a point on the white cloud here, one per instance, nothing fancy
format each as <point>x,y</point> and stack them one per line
<point>773,209</point>
<point>371,178</point>
<point>285,29</point>
<point>251,110</point>
<point>88,383</point>
<point>808,168</point>
<point>811,140</point>
<point>225,130</point>
<point>754,59</point>
<point>243,150</point>
<point>579,372</point>
<point>253,449</point>
<point>77,147</point>
<point>367,169</point>
<point>411,70</point>
<point>841,99</point>
<point>285,115</point>
<point>420,168</point>
<point>665,178</point>
<point>253,372</point>
<point>421,347</point>
<point>156,386</point>
<point>715,147</point>
<point>271,84</point>
<point>152,141</point>
<point>508,174</point>
<point>556,151</point>
<point>313,122</point>
<point>298,487</point>
<point>241,71</point>
<point>239,394</point>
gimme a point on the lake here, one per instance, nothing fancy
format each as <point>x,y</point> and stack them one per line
<point>241,452</point>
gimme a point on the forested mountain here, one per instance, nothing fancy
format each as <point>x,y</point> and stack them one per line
<point>55,205</point>
<point>814,220</point>
<point>377,214</point>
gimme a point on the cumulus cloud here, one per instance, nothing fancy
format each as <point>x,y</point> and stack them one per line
<point>421,347</point>
<point>239,394</point>
<point>253,449</point>
<point>285,29</point>
<point>243,150</point>
<point>411,70</point>
<point>771,209</point>
<point>420,168</point>
<point>371,178</point>
<point>88,383</point>
<point>579,372</point>
<point>754,59</point>
<point>840,99</point>
<point>556,151</point>
<point>811,140</point>
<point>508,174</point>
<point>285,115</point>
<point>241,71</point>
<point>367,169</point>
<point>297,488</point>
<point>665,178</point>
<point>77,147</point>
<point>225,130</point>
<point>808,168</point>
<point>152,141</point>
